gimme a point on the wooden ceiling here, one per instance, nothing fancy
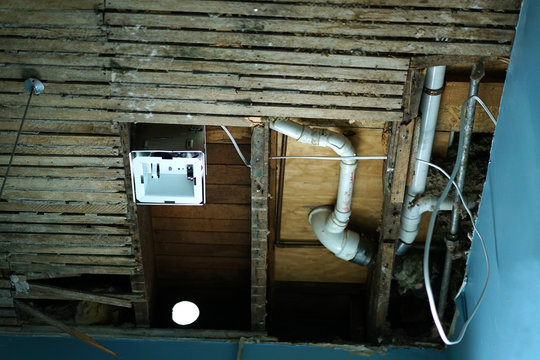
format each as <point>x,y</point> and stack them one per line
<point>67,208</point>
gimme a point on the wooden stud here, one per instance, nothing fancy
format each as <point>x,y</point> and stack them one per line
<point>259,225</point>
<point>395,181</point>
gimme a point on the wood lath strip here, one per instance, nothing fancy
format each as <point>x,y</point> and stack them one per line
<point>150,107</point>
<point>54,269</point>
<point>182,79</point>
<point>61,140</point>
<point>62,229</point>
<point>53,4</point>
<point>38,291</point>
<point>140,95</point>
<point>52,126</point>
<point>194,52</point>
<point>62,161</point>
<point>441,45</point>
<point>90,249</point>
<point>125,117</point>
<point>62,219</point>
<point>56,239</point>
<point>451,4</point>
<point>79,18</point>
<point>133,23</point>
<point>59,195</point>
<point>82,172</point>
<point>72,259</point>
<point>47,207</point>
<point>118,63</point>
<point>322,11</point>
<point>53,32</point>
<point>43,183</point>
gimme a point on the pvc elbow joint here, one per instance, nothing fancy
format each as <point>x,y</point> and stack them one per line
<point>412,214</point>
<point>345,244</point>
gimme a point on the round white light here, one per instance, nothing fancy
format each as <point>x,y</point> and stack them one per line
<point>185,313</point>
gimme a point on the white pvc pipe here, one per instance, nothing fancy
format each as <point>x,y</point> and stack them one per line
<point>410,217</point>
<point>329,225</point>
<point>429,109</point>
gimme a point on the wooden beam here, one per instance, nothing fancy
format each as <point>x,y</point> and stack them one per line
<point>38,291</point>
<point>260,139</point>
<point>395,182</point>
<point>422,62</point>
<point>413,94</point>
<point>60,325</point>
<point>139,220</point>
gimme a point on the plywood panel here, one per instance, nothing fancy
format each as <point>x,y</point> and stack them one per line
<point>453,96</point>
<point>316,265</point>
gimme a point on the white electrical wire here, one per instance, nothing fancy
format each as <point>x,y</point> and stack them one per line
<point>475,97</point>
<point>427,282</point>
<point>236,146</point>
<point>331,157</point>
<point>429,290</point>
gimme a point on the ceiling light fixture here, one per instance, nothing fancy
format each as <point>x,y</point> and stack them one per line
<point>185,313</point>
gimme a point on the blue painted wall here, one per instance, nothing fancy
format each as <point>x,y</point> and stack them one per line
<point>26,347</point>
<point>507,325</point>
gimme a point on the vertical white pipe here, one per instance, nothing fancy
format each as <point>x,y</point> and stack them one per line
<point>431,98</point>
<point>342,211</point>
<point>429,108</point>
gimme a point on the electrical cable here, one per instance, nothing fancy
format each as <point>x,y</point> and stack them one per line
<point>236,146</point>
<point>427,282</point>
<point>475,97</point>
<point>429,290</point>
<point>382,157</point>
<point>16,142</point>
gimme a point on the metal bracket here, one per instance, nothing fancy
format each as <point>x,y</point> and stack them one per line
<point>34,85</point>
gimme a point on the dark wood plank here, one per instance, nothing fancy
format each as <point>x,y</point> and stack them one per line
<point>225,154</point>
<point>188,263</point>
<point>201,225</point>
<point>227,174</point>
<point>227,194</point>
<point>193,237</point>
<point>208,211</point>
<point>203,250</point>
<point>204,277</point>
